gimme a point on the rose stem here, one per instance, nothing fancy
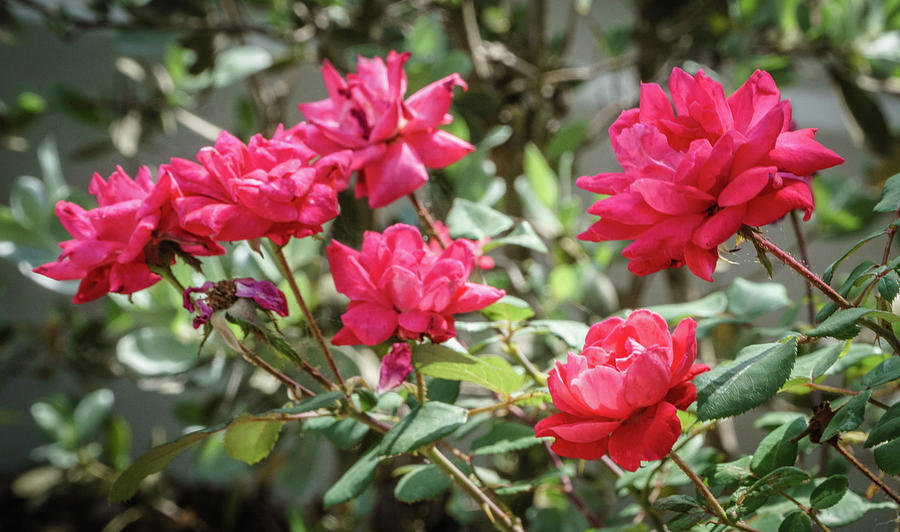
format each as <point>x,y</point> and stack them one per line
<point>511,348</point>
<point>166,273</point>
<point>420,388</point>
<point>808,511</point>
<point>817,281</point>
<point>569,490</point>
<point>310,321</point>
<point>298,389</point>
<point>843,391</point>
<point>426,218</point>
<point>804,256</point>
<point>865,471</point>
<point>505,522</point>
<point>710,498</point>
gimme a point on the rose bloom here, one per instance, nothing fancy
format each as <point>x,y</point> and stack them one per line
<point>621,394</point>
<point>266,188</point>
<point>132,226</point>
<point>691,178</point>
<point>398,286</point>
<point>393,140</point>
<point>443,232</point>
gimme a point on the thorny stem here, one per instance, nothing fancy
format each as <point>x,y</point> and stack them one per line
<point>427,219</point>
<point>808,511</point>
<point>497,516</point>
<point>296,388</point>
<point>710,498</point>
<point>843,391</point>
<point>804,256</point>
<point>310,321</point>
<point>864,470</point>
<point>569,490</point>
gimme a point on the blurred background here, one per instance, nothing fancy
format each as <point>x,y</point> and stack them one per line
<point>89,85</point>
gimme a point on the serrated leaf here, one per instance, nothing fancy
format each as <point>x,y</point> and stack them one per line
<point>468,219</point>
<point>815,364</point>
<point>851,508</point>
<point>890,195</point>
<point>343,433</point>
<point>887,371</point>
<point>91,411</point>
<point>153,461</point>
<point>776,449</point>
<point>492,372</point>
<point>505,437</point>
<point>848,417</point>
<point>541,177</point>
<point>843,323</point>
<point>887,456</point>
<point>572,333</point>
<point>796,521</point>
<point>313,403</point>
<point>250,440</point>
<point>748,300</point>
<point>889,286</point>
<point>508,308</point>
<point>829,492</point>
<point>749,381</point>
<point>421,483</point>
<point>887,427</point>
<point>522,235</point>
<point>711,305</point>
<point>829,271</point>
<point>354,480</point>
<point>730,474</point>
<point>424,424</point>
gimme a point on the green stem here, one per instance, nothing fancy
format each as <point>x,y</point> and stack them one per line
<point>166,273</point>
<point>310,320</point>
<point>427,220</point>
<point>523,361</point>
<point>710,498</point>
<point>498,517</point>
<point>420,388</point>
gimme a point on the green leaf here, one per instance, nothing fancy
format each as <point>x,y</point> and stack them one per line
<point>755,376</point>
<point>687,520</point>
<point>546,221</point>
<point>92,411</point>
<point>848,417</point>
<point>424,424</point>
<point>886,371</point>
<point>51,170</point>
<point>676,503</point>
<point>572,333</point>
<point>748,300</point>
<point>468,219</point>
<point>541,177</point>
<point>889,286</point>
<point>887,456</point>
<point>781,478</point>
<point>153,461</point>
<point>29,202</point>
<point>313,403</point>
<point>829,492</point>
<point>730,474</point>
<point>522,235</point>
<point>343,433</point>
<point>421,483</point>
<point>505,437</point>
<point>355,480</point>
<point>508,308</point>
<point>776,449</point>
<point>155,351</point>
<point>851,508</point>
<point>843,323</point>
<point>815,364</point>
<point>711,305</point>
<point>796,521</point>
<point>890,195</point>
<point>250,440</point>
<point>829,271</point>
<point>443,390</point>
<point>568,138</point>
<point>239,62</point>
<point>492,372</point>
<point>887,428</point>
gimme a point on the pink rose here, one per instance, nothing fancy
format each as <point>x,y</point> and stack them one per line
<point>267,188</point>
<point>132,226</point>
<point>693,177</point>
<point>393,140</point>
<point>398,286</point>
<point>443,232</point>
<point>620,395</point>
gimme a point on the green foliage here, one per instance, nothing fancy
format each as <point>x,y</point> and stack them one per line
<point>421,483</point>
<point>249,440</point>
<point>849,416</point>
<point>424,424</point>
<point>354,480</point>
<point>505,437</point>
<point>776,449</point>
<point>829,492</point>
<point>494,373</point>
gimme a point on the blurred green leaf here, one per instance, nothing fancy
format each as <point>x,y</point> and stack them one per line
<point>755,375</point>
<point>890,195</point>
<point>421,483</point>
<point>354,480</point>
<point>476,221</point>
<point>572,333</point>
<point>522,235</point>
<point>343,433</point>
<point>155,351</point>
<point>749,300</point>
<point>796,521</point>
<point>887,456</point>
<point>541,177</point>
<point>843,324</point>
<point>92,411</point>
<point>711,305</point>
<point>321,400</point>
<point>782,478</point>
<point>30,202</point>
<point>887,427</point>
<point>424,424</point>
<point>239,62</point>
<point>508,308</point>
<point>829,492</point>
<point>250,440</point>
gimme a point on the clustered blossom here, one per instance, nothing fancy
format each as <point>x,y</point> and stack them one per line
<point>393,140</point>
<point>112,245</point>
<point>221,295</point>
<point>268,187</point>
<point>691,178</point>
<point>621,394</point>
<point>399,286</point>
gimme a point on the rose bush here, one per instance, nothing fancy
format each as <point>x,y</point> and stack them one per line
<point>691,178</point>
<point>621,393</point>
